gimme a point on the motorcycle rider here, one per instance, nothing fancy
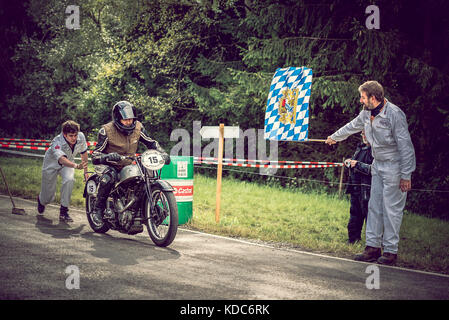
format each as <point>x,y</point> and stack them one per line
<point>120,137</point>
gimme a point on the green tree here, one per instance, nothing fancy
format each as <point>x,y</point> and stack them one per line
<point>332,39</point>
<point>213,61</point>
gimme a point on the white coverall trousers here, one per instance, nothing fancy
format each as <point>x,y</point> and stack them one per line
<point>48,188</point>
<point>51,168</point>
<point>386,206</point>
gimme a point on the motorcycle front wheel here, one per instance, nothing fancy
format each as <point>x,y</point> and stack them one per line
<point>90,205</point>
<point>162,223</point>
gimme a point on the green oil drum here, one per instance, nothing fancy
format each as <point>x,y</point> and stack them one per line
<point>179,173</point>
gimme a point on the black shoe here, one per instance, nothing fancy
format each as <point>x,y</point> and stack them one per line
<point>40,207</point>
<point>64,214</point>
<point>65,218</point>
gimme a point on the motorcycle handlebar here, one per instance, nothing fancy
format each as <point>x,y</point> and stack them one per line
<point>132,158</point>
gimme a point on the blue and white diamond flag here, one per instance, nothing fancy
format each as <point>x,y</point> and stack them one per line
<point>287,114</point>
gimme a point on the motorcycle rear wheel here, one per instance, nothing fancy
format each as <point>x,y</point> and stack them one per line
<point>162,225</point>
<point>90,205</point>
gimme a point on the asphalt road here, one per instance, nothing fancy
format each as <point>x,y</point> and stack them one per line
<point>40,258</point>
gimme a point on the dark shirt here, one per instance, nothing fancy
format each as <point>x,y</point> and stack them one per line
<point>360,175</point>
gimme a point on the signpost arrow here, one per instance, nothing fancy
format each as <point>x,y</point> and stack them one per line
<point>214,132</point>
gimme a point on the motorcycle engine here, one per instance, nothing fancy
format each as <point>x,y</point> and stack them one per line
<point>125,217</point>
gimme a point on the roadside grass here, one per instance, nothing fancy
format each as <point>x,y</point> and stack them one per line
<point>312,221</point>
<point>24,178</point>
<point>315,222</point>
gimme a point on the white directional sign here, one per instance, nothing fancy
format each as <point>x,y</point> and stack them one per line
<point>214,132</point>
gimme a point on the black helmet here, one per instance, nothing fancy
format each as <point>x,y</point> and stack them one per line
<point>124,110</point>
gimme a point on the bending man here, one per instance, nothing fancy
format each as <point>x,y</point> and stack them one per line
<point>59,159</point>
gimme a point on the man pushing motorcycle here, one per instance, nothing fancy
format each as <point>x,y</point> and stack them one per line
<point>120,137</point>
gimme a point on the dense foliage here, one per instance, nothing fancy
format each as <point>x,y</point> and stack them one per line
<point>212,61</point>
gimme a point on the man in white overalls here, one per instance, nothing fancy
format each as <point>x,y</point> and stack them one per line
<point>59,159</point>
<point>387,132</point>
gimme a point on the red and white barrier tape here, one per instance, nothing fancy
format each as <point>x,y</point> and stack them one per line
<point>4,145</point>
<point>264,161</point>
<point>47,144</point>
<point>89,144</point>
<point>289,166</point>
<point>35,142</point>
<point>32,140</point>
<point>35,145</point>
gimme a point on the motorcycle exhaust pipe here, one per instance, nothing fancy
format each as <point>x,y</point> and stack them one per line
<point>123,209</point>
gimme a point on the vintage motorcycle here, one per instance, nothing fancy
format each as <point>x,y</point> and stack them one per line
<point>139,197</point>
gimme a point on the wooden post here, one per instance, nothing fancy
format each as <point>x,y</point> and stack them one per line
<point>340,187</point>
<point>219,172</point>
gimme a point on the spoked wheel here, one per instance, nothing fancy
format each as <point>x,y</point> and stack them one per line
<point>162,223</point>
<point>90,205</point>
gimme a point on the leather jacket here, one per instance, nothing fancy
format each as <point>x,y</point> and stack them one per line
<point>110,140</point>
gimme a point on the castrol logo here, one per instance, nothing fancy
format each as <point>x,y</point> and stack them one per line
<point>183,191</point>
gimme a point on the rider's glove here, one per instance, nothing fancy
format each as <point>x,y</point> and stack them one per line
<point>166,158</point>
<point>114,157</point>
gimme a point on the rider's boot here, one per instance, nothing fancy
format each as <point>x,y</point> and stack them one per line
<point>105,186</point>
<point>100,204</point>
<point>97,216</point>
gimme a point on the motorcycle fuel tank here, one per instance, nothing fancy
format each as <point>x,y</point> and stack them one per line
<point>128,173</point>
